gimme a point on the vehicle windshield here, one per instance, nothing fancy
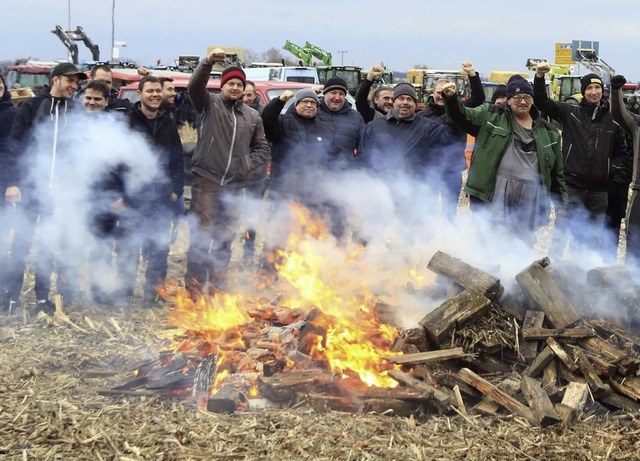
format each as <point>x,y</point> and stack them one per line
<point>349,76</point>
<point>31,80</point>
<point>301,79</point>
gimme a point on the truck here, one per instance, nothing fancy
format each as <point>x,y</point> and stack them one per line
<point>282,74</point>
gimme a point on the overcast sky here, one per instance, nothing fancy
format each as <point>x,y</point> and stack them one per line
<point>401,33</point>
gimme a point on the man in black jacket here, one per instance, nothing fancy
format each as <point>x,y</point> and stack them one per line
<point>153,208</point>
<point>452,159</point>
<point>595,153</point>
<point>382,98</point>
<point>10,278</point>
<point>48,112</point>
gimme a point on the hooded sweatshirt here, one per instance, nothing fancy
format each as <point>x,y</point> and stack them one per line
<point>7,113</point>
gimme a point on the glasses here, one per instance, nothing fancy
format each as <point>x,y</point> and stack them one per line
<point>308,102</point>
<point>522,97</point>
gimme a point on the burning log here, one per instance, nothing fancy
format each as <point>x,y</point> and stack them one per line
<point>204,378</point>
<point>457,311</point>
<point>547,296</point>
<point>285,387</point>
<point>466,275</point>
<point>539,402</point>
<point>228,399</point>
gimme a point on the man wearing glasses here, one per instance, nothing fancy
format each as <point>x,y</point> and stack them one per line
<point>517,163</point>
<point>595,155</point>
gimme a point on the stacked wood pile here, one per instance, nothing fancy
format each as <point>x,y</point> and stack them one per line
<point>530,352</point>
<point>557,362</point>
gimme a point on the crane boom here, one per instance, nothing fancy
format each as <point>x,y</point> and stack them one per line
<point>319,53</point>
<point>299,52</point>
<point>68,37</point>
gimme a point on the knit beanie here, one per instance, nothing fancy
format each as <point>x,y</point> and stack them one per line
<point>501,91</point>
<point>518,85</point>
<point>305,93</point>
<point>335,83</point>
<point>405,89</point>
<point>588,80</point>
<point>233,72</point>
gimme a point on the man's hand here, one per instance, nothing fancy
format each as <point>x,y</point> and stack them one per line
<point>561,212</point>
<point>318,87</point>
<point>117,206</point>
<point>449,89</point>
<point>468,69</point>
<point>286,95</point>
<point>216,55</point>
<point>173,197</point>
<point>375,72</point>
<point>542,68</point>
<point>12,194</point>
<point>143,71</point>
<point>617,82</point>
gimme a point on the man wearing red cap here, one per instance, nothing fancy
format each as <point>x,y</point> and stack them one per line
<point>231,150</point>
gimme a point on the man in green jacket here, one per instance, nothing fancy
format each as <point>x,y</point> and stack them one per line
<point>517,163</point>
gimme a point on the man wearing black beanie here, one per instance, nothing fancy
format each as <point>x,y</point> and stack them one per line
<point>595,158</point>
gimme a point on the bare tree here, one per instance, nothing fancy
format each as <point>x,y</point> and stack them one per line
<point>250,56</point>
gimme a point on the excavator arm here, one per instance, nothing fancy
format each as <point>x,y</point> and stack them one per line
<point>301,53</point>
<point>319,53</point>
<point>68,38</point>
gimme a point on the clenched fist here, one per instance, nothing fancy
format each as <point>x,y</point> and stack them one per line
<point>449,89</point>
<point>617,82</point>
<point>216,55</point>
<point>542,68</point>
<point>468,68</point>
<point>286,95</point>
<point>375,72</point>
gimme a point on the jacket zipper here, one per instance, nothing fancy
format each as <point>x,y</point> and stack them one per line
<point>568,153</point>
<point>233,142</point>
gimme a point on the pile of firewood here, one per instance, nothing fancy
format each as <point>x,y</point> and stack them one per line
<point>529,352</point>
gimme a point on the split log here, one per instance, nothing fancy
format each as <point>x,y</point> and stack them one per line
<point>573,402</point>
<point>496,394</point>
<point>599,346</point>
<point>625,390</point>
<point>455,312</point>
<point>628,366</point>
<point>489,406</point>
<point>466,275</point>
<point>545,294</point>
<point>541,361</point>
<point>570,278</point>
<point>602,367</point>
<point>487,364</point>
<point>204,378</point>
<point>550,376</point>
<point>620,402</point>
<point>398,393</point>
<point>562,354</point>
<point>283,388</point>
<point>532,320</point>
<point>559,333</point>
<point>428,357</point>
<point>598,388</point>
<point>324,402</point>
<point>539,402</point>
<point>441,399</point>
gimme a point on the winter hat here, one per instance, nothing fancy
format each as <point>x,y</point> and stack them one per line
<point>501,91</point>
<point>335,83</point>
<point>233,72</point>
<point>6,96</point>
<point>588,80</point>
<point>518,85</point>
<point>403,89</point>
<point>305,93</point>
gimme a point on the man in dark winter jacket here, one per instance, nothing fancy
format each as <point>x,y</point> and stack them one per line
<point>453,161</point>
<point>232,149</point>
<point>250,97</point>
<point>10,280</point>
<point>103,72</point>
<point>402,141</point>
<point>48,111</point>
<point>337,112</point>
<point>152,209</point>
<point>594,152</point>
<point>382,98</point>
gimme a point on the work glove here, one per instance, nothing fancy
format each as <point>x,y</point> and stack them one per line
<point>617,82</point>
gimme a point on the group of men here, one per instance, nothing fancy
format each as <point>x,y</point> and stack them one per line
<point>519,164</point>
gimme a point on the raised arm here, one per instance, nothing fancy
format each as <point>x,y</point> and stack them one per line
<point>628,121</point>
<point>197,87</point>
<point>477,95</point>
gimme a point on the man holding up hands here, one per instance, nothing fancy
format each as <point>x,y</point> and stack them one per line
<point>231,149</point>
